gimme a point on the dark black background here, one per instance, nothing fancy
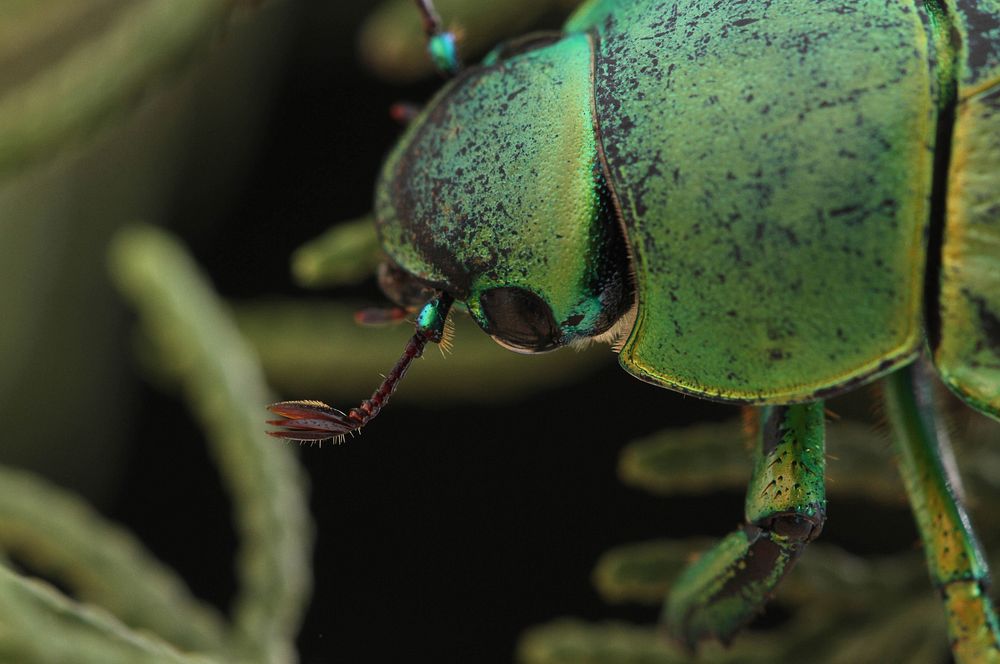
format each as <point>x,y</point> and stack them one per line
<point>443,532</point>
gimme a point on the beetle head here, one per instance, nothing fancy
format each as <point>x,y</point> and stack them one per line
<point>496,196</point>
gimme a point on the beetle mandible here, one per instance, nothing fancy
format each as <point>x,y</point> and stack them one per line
<point>760,203</point>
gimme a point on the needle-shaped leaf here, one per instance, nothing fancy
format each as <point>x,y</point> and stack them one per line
<point>101,76</point>
<point>346,254</point>
<point>643,572</point>
<point>39,624</point>
<point>57,534</point>
<point>710,457</point>
<point>912,632</point>
<point>200,345</point>
<point>576,642</point>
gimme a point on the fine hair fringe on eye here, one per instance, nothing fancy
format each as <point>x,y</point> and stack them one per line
<point>447,336</point>
<point>617,334</point>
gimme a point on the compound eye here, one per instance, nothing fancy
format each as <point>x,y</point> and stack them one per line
<point>520,320</point>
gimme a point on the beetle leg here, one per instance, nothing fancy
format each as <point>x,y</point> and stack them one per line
<point>785,510</point>
<point>955,561</point>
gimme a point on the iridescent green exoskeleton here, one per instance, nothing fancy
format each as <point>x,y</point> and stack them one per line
<point>765,203</point>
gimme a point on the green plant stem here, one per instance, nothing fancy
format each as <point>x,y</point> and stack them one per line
<point>200,345</point>
<point>644,572</point>
<point>57,534</point>
<point>346,254</point>
<point>709,457</point>
<point>39,624</point>
<point>102,77</point>
<point>576,642</point>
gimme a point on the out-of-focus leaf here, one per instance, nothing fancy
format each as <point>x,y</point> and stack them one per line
<point>346,254</point>
<point>393,44</point>
<point>57,534</point>
<point>837,601</point>
<point>851,582</point>
<point>912,632</point>
<point>575,642</point>
<point>697,459</point>
<point>39,624</point>
<point>34,33</point>
<point>199,343</point>
<point>710,457</point>
<point>101,77</point>
<point>844,608</point>
<point>569,641</point>
<point>643,572</point>
<point>311,348</point>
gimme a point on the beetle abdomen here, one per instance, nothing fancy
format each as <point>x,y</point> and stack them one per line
<point>967,348</point>
<point>773,166</point>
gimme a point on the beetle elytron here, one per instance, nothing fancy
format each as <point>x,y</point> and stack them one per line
<point>764,203</point>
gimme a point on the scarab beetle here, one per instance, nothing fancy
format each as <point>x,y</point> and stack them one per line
<point>765,203</point>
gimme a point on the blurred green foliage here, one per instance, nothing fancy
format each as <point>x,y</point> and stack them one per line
<point>97,101</point>
<point>71,97</point>
<point>107,110</point>
<point>156,619</point>
<point>200,346</point>
<point>392,41</point>
<point>844,608</point>
<point>110,111</point>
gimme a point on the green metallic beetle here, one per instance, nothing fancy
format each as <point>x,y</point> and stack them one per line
<point>765,203</point>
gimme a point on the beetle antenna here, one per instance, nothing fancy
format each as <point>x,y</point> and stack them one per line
<point>317,421</point>
<point>404,112</point>
<point>377,316</point>
<point>440,42</point>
